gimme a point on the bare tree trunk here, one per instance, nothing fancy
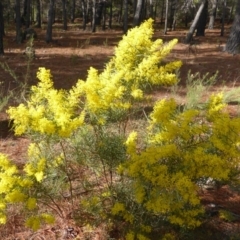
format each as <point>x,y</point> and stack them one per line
<point>231,12</point>
<point>38,17</point>
<point>84,14</point>
<point>110,14</point>
<point>201,25</point>
<point>1,29</point>
<point>151,9</point>
<point>233,42</point>
<point>94,16</point>
<point>223,17</point>
<point>174,9</point>
<point>166,18</point>
<point>18,22</point>
<point>120,12</point>
<point>162,11</point>
<point>26,13</point>
<point>191,31</point>
<point>125,18</point>
<point>104,16</point>
<point>73,7</point>
<point>50,21</point>
<point>64,14</point>
<point>213,13</point>
<point>137,16</point>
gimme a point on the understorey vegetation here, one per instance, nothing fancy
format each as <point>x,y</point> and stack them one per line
<point>139,173</point>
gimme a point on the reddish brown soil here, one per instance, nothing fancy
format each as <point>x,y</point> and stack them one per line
<point>70,56</point>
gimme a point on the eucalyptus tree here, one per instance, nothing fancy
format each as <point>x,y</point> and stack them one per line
<point>166,17</point>
<point>50,21</point>
<point>19,38</point>
<point>26,13</point>
<point>202,21</point>
<point>94,16</point>
<point>212,13</point>
<point>73,9</point>
<point>84,14</point>
<point>125,18</point>
<point>233,42</point>
<point>137,16</point>
<point>200,15</point>
<point>38,14</point>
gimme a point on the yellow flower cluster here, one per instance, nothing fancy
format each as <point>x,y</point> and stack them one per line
<point>34,222</point>
<point>13,188</point>
<point>182,149</point>
<point>136,64</point>
<point>49,111</point>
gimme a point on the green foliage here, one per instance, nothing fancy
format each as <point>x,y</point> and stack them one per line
<point>82,149</point>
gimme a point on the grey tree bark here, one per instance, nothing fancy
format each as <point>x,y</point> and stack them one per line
<point>233,42</point>
<point>212,14</point>
<point>137,16</point>
<point>50,21</point>
<point>193,27</point>
<point>94,16</point>
<point>166,18</point>
<point>84,14</point>
<point>125,17</point>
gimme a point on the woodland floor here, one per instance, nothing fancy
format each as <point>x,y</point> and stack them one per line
<point>69,57</point>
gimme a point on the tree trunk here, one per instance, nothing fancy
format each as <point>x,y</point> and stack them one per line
<point>202,20</point>
<point>223,17</point>
<point>50,21</point>
<point>73,7</point>
<point>94,16</point>
<point>110,14</point>
<point>99,12</point>
<point>213,13</point>
<point>233,42</point>
<point>166,18</point>
<point>230,16</point>
<point>174,20</point>
<point>26,13</point>
<point>151,9</point>
<point>104,16</point>
<point>84,14</point>
<point>64,14</point>
<point>162,11</point>
<point>195,22</point>
<point>137,16</point>
<point>120,12</point>
<point>1,29</point>
<point>38,15</point>
<point>125,18</point>
<point>171,4</point>
<point>18,22</point>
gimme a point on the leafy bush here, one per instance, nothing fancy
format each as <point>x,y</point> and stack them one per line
<point>82,149</point>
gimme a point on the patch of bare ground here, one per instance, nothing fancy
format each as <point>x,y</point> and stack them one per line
<point>69,57</point>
